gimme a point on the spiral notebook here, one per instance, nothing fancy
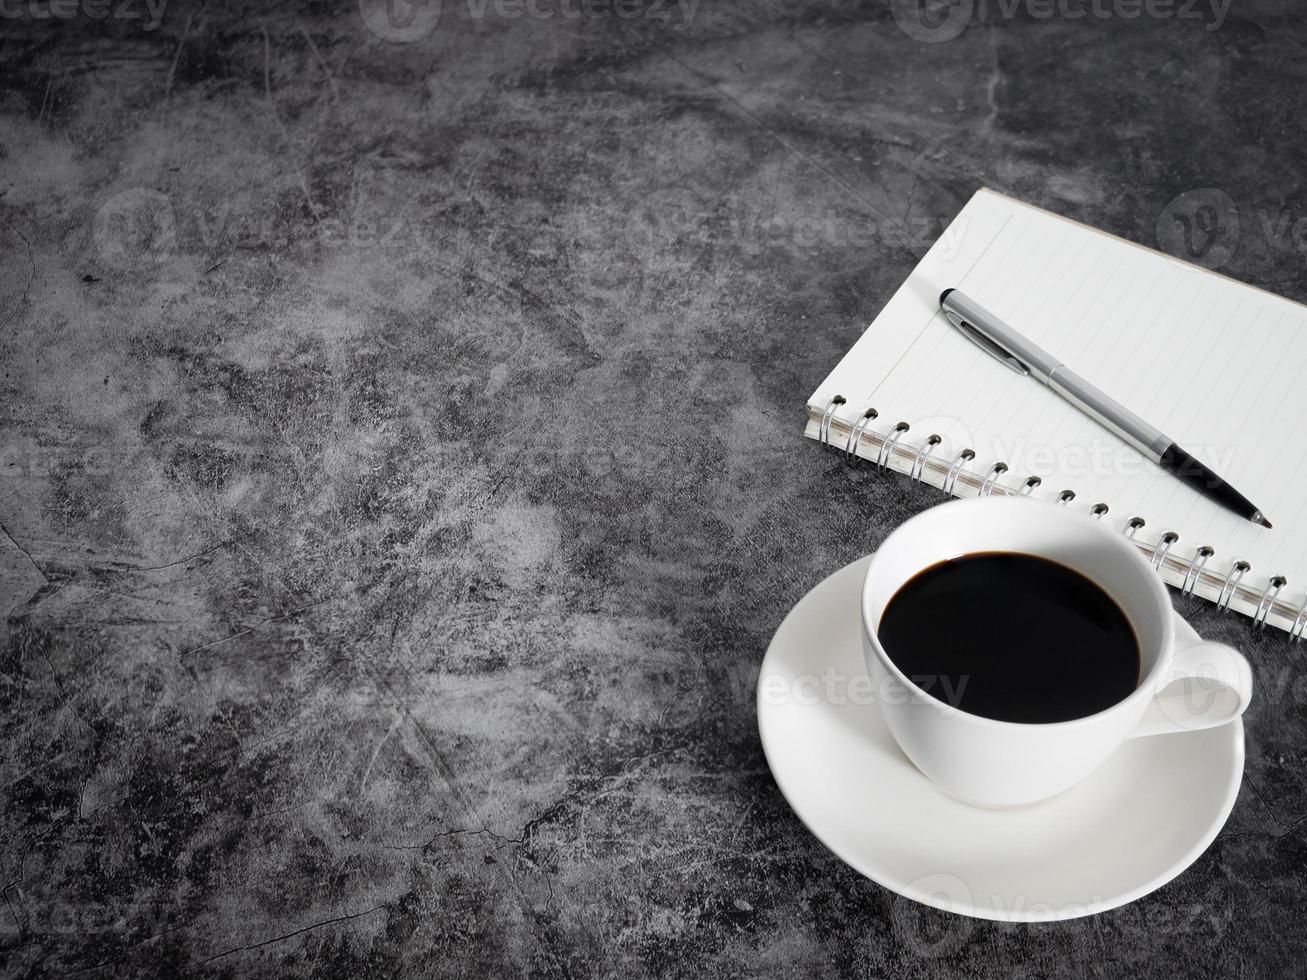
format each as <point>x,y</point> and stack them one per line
<point>1217,364</point>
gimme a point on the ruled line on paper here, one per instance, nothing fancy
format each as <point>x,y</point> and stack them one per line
<point>1220,361</point>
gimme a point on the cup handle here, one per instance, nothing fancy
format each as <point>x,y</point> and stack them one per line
<point>1207,684</point>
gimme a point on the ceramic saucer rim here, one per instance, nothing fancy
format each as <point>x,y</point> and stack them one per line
<point>857,862</point>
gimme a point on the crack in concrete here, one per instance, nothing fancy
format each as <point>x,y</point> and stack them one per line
<point>291,934</point>
<point>12,540</point>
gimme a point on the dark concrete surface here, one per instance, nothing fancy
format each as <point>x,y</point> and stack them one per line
<point>403,474</point>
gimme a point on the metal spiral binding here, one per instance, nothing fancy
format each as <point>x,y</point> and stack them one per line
<point>1273,588</point>
<point>1164,548</point>
<point>823,430</point>
<point>1232,580</point>
<point>1195,572</point>
<point>923,454</point>
<point>1299,622</point>
<point>997,470</point>
<point>855,435</point>
<point>887,446</point>
<point>959,461</point>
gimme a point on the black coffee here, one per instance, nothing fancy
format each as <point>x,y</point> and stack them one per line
<point>1011,637</point>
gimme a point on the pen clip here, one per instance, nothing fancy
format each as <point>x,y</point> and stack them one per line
<point>984,343</point>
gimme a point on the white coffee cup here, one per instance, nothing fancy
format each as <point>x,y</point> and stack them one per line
<point>1000,763</point>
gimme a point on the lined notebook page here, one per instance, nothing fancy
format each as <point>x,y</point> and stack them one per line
<point>1217,365</point>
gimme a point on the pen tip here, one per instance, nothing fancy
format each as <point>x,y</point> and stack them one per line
<point>1265,522</point>
<point>1259,519</point>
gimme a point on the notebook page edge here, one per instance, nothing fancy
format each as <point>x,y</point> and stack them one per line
<point>976,223</point>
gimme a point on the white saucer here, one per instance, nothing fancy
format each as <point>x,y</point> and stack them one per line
<point>1128,829</point>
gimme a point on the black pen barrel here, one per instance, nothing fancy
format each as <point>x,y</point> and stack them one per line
<point>1205,480</point>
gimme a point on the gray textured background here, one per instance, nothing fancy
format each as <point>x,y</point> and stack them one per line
<point>403,476</point>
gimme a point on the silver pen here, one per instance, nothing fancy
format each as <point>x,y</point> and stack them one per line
<point>1008,347</point>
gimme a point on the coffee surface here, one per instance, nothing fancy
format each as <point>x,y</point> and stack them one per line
<point>1012,637</point>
